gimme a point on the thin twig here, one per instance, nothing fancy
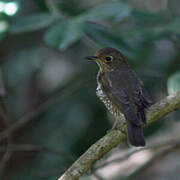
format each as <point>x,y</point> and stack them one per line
<point>5,116</point>
<point>43,107</point>
<point>168,143</point>
<point>31,147</point>
<point>156,158</point>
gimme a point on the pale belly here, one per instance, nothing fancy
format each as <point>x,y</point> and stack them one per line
<point>112,108</point>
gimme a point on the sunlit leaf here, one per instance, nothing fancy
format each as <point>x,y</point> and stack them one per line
<point>32,22</point>
<point>173,83</point>
<point>109,10</point>
<point>64,33</point>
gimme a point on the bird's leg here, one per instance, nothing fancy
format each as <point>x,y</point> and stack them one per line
<point>119,126</point>
<point>115,127</point>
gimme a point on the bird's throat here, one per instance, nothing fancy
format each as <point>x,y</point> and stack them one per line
<point>103,67</point>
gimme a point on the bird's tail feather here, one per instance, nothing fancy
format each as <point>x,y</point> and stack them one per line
<point>135,134</point>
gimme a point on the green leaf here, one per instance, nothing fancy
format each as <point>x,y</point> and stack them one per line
<point>109,10</point>
<point>105,37</point>
<point>165,31</point>
<point>64,33</point>
<point>146,18</point>
<point>32,22</point>
<point>173,83</point>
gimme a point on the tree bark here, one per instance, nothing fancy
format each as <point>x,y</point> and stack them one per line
<point>115,137</point>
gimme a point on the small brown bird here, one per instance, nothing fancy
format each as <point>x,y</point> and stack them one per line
<point>122,92</point>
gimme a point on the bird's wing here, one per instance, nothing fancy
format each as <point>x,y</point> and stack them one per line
<point>121,100</point>
<point>145,96</point>
<point>117,91</point>
<point>142,101</point>
<point>128,94</point>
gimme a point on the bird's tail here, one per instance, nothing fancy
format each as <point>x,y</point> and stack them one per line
<point>135,134</point>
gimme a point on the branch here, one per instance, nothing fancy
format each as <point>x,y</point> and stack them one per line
<point>40,109</point>
<point>156,146</point>
<point>155,159</point>
<point>115,137</point>
<point>38,148</point>
<point>6,120</point>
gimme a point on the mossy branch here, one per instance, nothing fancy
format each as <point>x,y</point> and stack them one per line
<point>115,137</point>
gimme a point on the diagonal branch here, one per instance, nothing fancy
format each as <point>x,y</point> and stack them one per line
<point>115,137</point>
<point>6,120</point>
<point>40,109</point>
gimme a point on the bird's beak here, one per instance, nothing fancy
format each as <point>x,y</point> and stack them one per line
<point>92,58</point>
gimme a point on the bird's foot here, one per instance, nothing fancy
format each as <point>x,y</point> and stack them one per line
<point>116,126</point>
<point>122,130</point>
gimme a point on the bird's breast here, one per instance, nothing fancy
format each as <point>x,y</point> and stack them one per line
<point>108,103</point>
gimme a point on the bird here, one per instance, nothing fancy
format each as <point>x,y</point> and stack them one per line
<point>122,92</point>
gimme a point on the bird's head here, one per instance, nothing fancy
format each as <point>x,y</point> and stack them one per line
<point>109,59</point>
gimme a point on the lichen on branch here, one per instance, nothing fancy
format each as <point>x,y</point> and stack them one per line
<point>85,162</point>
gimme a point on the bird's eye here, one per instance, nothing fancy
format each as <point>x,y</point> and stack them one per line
<point>109,58</point>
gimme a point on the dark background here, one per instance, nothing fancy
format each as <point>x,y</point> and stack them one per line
<point>47,87</point>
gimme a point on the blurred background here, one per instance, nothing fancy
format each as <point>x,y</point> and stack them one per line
<point>49,112</point>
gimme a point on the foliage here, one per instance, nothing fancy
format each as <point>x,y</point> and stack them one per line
<point>48,82</point>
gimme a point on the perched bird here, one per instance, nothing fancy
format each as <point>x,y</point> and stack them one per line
<point>122,92</point>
